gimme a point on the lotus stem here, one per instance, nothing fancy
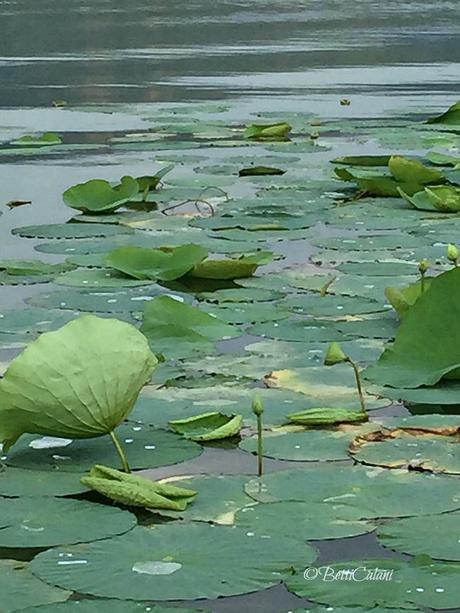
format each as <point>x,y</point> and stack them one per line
<point>324,289</point>
<point>258,409</point>
<point>358,384</point>
<point>121,452</point>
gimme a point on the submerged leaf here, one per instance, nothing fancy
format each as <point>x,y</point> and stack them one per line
<point>98,196</point>
<point>208,426</point>
<point>77,382</point>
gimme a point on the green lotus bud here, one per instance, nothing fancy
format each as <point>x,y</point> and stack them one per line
<point>452,253</point>
<point>423,266</point>
<point>334,355</point>
<point>257,406</point>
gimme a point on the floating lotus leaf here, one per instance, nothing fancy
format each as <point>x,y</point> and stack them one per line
<point>450,117</point>
<point>260,171</point>
<point>97,605</point>
<point>80,381</point>
<point>29,140</point>
<point>268,130</point>
<point>410,535</point>
<point>444,198</point>
<point>16,482</point>
<point>210,426</point>
<point>145,446</point>
<point>20,589</point>
<point>420,200</point>
<point>363,160</point>
<point>413,171</point>
<point>98,195</point>
<point>164,264</point>
<point>104,277</point>
<point>307,521</point>
<point>71,230</point>
<point>235,268</point>
<point>132,490</point>
<point>377,185</point>
<point>329,416</point>
<point>33,267</point>
<point>46,522</point>
<point>432,584</point>
<point>431,449</point>
<point>426,348</point>
<point>177,561</point>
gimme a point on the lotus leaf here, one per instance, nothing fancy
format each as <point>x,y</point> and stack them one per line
<point>363,160</point>
<point>450,117</point>
<point>426,347</point>
<point>234,268</point>
<point>48,138</point>
<point>33,267</point>
<point>259,171</point>
<point>444,198</point>
<point>413,171</point>
<point>164,264</point>
<point>98,195</point>
<point>377,185</point>
<point>268,131</point>
<point>77,382</point>
<point>403,298</point>
<point>210,426</point>
<point>329,416</point>
<point>132,490</point>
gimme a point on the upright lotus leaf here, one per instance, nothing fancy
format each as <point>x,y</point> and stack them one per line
<point>427,344</point>
<point>270,130</point>
<point>149,183</point>
<point>419,200</point>
<point>166,312</point>
<point>233,268</point>
<point>377,185</point>
<point>132,490</point>
<point>210,426</point>
<point>444,198</point>
<point>363,160</point>
<point>80,381</point>
<point>97,195</point>
<point>403,298</point>
<point>413,171</point>
<point>164,264</point>
<point>450,117</point>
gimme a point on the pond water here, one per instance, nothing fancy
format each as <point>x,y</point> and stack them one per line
<point>114,62</point>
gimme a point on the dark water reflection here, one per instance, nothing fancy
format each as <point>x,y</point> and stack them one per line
<point>119,51</point>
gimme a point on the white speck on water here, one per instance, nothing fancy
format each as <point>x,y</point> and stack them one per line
<point>112,300</point>
<point>67,562</point>
<point>139,298</point>
<point>249,533</point>
<point>29,528</point>
<point>419,589</point>
<point>297,446</point>
<point>62,304</point>
<point>137,428</point>
<point>129,440</point>
<point>439,590</point>
<point>149,446</point>
<point>61,457</point>
<point>156,567</point>
<point>49,442</point>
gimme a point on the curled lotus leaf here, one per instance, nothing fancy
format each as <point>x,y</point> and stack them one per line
<point>80,381</point>
<point>97,195</point>
<point>270,130</point>
<point>210,426</point>
<point>413,171</point>
<point>232,268</point>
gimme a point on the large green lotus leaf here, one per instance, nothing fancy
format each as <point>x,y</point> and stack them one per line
<point>373,493</point>
<point>411,536</point>
<point>33,267</point>
<point>33,320</point>
<point>239,294</point>
<point>164,311</point>
<point>98,195</point>
<point>426,347</point>
<point>210,426</point>
<point>20,589</point>
<point>72,230</point>
<point>305,520</point>
<point>306,330</point>
<point>433,585</point>
<point>6,279</point>
<point>218,499</point>
<point>233,268</point>
<point>329,387</point>
<point>442,159</point>
<point>403,298</point>
<point>176,561</point>
<point>79,381</point>
<point>241,313</point>
<point>399,448</point>
<point>413,171</point>
<point>419,200</point>
<point>302,446</point>
<point>379,268</point>
<point>145,448</point>
<point>383,327</point>
<point>164,264</point>
<point>450,117</point>
<point>46,522</point>
<point>99,605</point>
<point>370,243</point>
<point>16,482</point>
<point>445,393</point>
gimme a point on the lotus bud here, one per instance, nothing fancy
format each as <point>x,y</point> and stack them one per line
<point>452,253</point>
<point>335,355</point>
<point>423,266</point>
<point>257,406</point>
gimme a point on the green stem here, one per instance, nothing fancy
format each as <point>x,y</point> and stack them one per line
<point>120,451</point>
<point>422,283</point>
<point>358,384</point>
<point>260,467</point>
